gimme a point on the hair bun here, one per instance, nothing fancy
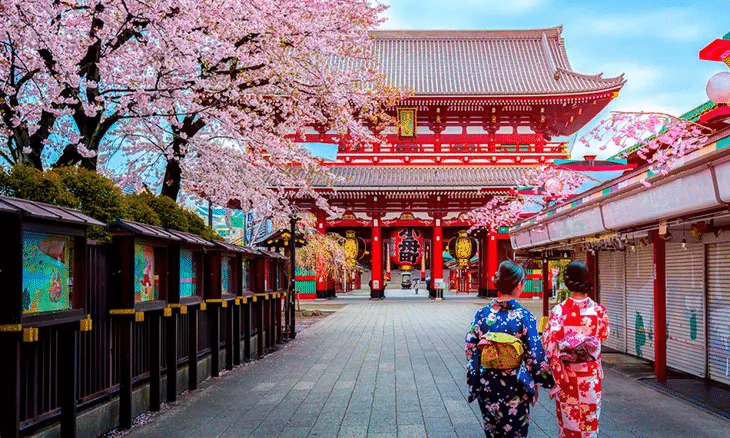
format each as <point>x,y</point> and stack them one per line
<point>508,276</point>
<point>576,278</point>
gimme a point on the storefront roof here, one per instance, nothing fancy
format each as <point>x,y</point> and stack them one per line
<point>698,182</point>
<point>39,210</point>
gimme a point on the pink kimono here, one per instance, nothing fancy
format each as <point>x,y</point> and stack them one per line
<point>572,339</point>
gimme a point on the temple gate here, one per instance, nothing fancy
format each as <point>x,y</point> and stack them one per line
<point>486,107</point>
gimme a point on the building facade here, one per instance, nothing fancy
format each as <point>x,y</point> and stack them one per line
<point>486,106</point>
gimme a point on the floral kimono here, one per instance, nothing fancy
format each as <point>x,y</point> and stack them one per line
<point>572,339</point>
<point>505,396</point>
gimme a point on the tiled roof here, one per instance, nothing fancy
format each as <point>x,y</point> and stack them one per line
<point>158,233</point>
<point>483,63</point>
<point>39,210</point>
<point>425,178</point>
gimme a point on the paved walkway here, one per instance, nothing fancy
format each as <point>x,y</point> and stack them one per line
<point>392,368</point>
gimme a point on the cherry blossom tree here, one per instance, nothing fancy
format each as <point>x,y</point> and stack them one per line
<point>205,96</point>
<point>325,254</point>
<point>657,138</point>
<point>537,189</point>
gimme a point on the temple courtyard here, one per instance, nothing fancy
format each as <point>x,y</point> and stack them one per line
<point>396,368</point>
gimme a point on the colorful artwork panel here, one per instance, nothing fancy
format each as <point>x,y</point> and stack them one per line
<point>146,282</point>
<point>245,278</point>
<point>47,279</point>
<point>226,282</point>
<point>188,279</point>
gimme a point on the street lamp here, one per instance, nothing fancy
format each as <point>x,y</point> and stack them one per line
<point>718,88</point>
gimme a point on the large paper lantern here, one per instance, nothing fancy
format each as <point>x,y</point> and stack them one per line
<point>407,248</point>
<point>354,245</point>
<point>462,248</point>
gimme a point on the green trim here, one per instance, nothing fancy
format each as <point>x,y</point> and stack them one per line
<point>723,143</point>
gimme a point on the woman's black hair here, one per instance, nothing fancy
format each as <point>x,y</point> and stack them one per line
<point>508,276</point>
<point>576,278</point>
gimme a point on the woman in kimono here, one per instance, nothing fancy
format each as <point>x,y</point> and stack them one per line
<point>575,331</point>
<point>505,395</point>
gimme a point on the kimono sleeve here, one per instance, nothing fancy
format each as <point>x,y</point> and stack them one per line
<point>473,336</point>
<point>535,359</point>
<point>551,336</point>
<point>603,325</point>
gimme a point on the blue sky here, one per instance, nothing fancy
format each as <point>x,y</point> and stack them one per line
<point>654,43</point>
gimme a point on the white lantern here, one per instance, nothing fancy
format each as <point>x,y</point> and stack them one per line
<point>718,88</point>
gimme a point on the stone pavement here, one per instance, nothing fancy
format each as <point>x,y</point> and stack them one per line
<point>392,368</point>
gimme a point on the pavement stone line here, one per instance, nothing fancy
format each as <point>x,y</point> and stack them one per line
<point>393,368</point>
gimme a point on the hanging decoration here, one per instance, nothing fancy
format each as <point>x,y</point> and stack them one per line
<point>407,248</point>
<point>462,248</point>
<point>354,246</point>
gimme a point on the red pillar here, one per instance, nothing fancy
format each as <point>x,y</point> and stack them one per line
<point>545,288</point>
<point>492,262</point>
<point>437,263</point>
<point>322,279</point>
<point>591,264</point>
<point>483,267</point>
<point>660,308</point>
<point>376,256</point>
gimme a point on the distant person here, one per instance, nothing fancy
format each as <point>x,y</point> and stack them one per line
<point>575,331</point>
<point>505,359</point>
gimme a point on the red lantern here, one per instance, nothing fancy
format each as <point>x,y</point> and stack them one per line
<point>407,248</point>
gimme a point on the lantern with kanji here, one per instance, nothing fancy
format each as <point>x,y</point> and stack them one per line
<point>354,246</point>
<point>407,248</point>
<point>462,248</point>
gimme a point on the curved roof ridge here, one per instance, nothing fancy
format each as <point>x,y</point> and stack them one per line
<point>596,77</point>
<point>553,32</point>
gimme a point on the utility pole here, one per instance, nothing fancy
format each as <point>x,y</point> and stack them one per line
<point>292,276</point>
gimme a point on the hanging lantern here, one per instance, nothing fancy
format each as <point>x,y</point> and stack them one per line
<point>407,248</point>
<point>354,245</point>
<point>462,248</point>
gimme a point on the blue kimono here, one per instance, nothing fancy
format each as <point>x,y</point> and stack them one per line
<point>505,396</point>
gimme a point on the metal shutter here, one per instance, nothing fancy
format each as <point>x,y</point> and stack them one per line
<point>640,302</point>
<point>718,306</point>
<point>612,294</point>
<point>686,308</point>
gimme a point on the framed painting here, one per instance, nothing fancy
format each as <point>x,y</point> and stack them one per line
<point>146,281</point>
<point>188,274</point>
<point>47,272</point>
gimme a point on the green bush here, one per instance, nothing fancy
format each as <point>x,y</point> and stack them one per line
<point>172,215</point>
<point>139,210</point>
<point>98,197</point>
<point>35,185</point>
